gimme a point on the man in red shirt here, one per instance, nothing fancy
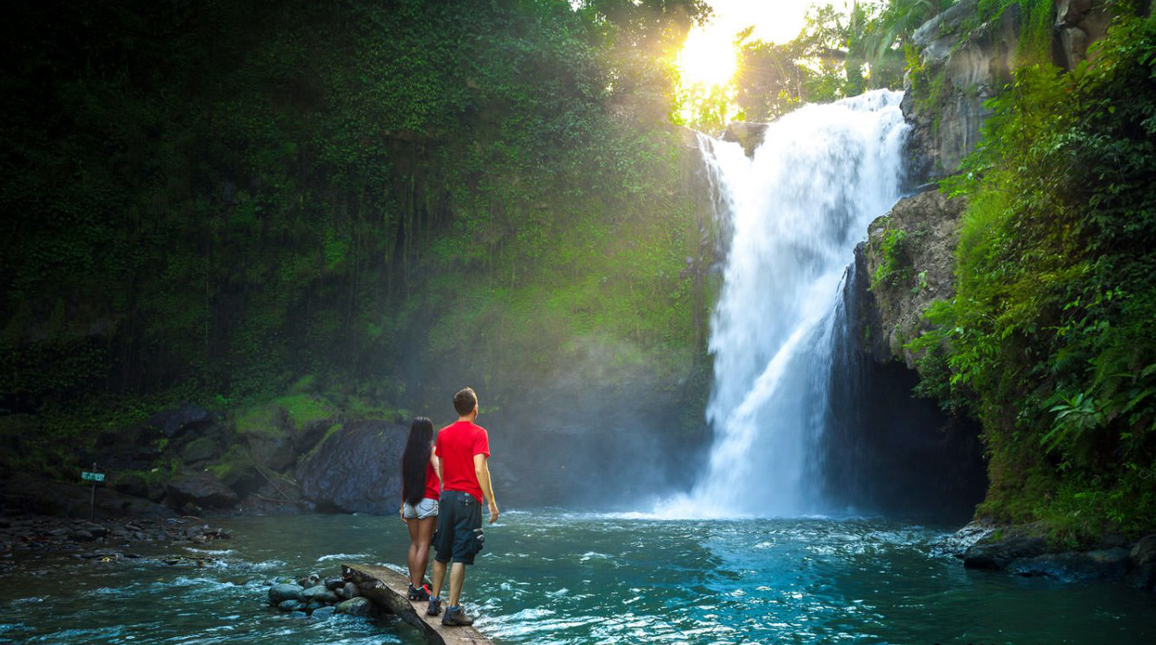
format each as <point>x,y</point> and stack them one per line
<point>464,450</point>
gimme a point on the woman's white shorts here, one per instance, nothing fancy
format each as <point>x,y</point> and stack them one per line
<point>425,508</point>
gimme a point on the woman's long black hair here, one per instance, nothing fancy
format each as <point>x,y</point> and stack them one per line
<point>415,459</point>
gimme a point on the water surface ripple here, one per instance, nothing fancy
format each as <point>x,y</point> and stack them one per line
<point>552,577</point>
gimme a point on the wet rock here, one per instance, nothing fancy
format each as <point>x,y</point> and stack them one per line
<point>344,473</point>
<point>355,607</point>
<point>314,606</point>
<point>280,593</point>
<point>319,594</point>
<point>323,613</point>
<point>298,614</point>
<point>1143,564</point>
<point>333,583</point>
<point>310,580</point>
<point>289,605</point>
<point>350,590</point>
<point>1104,564</point>
<point>959,542</point>
<point>201,489</point>
<point>81,535</point>
<point>997,555</point>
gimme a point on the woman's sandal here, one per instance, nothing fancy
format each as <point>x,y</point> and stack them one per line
<point>418,593</point>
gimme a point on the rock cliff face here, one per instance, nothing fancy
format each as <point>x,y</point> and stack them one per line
<point>908,260</point>
<point>962,66</point>
<point>905,264</point>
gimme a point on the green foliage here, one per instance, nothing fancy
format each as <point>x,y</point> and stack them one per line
<point>1048,338</point>
<point>207,202</point>
<point>894,266</point>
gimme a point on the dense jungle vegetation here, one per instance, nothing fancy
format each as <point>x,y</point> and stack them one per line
<point>359,204</point>
<point>1048,340</point>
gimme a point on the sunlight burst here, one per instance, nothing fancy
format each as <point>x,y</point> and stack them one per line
<point>708,58</point>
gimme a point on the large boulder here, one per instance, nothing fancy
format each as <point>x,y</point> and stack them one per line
<point>201,489</point>
<point>356,468</point>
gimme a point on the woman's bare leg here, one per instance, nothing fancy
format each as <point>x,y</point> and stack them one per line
<point>425,529</point>
<point>415,574</point>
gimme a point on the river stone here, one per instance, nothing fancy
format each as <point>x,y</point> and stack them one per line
<point>1143,563</point>
<point>298,614</point>
<point>201,489</point>
<point>323,613</point>
<point>350,590</point>
<point>281,592</point>
<point>289,605</point>
<point>333,583</point>
<point>319,594</point>
<point>344,473</point>
<point>355,607</point>
<point>309,580</point>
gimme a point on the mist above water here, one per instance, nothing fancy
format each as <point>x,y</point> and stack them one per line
<point>796,211</point>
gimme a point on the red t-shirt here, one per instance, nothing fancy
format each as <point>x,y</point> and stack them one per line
<point>456,446</point>
<point>432,485</point>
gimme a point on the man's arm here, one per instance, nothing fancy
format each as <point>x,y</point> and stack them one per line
<point>482,470</point>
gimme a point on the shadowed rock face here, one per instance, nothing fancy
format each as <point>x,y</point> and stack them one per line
<point>356,469</point>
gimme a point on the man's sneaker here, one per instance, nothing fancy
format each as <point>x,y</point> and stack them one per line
<point>435,606</point>
<point>418,593</point>
<point>455,617</point>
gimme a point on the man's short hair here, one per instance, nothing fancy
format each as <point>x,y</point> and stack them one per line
<point>465,401</point>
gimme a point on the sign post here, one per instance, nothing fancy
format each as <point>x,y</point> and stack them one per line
<point>92,477</point>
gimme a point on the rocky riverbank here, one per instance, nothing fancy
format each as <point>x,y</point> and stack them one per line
<point>1022,550</point>
<point>30,536</point>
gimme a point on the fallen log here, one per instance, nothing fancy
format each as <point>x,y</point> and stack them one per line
<point>388,590</point>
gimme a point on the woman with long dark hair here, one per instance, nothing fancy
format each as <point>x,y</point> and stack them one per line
<point>420,484</point>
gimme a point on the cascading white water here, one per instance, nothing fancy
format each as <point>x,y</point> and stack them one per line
<point>796,211</point>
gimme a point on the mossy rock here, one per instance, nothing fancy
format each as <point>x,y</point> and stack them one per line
<point>237,469</point>
<point>201,449</point>
<point>285,427</point>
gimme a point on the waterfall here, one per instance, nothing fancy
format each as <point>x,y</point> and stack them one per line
<point>795,212</point>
